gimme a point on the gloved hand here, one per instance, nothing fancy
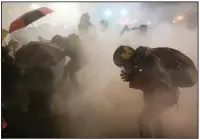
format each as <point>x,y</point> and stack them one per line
<point>125,76</point>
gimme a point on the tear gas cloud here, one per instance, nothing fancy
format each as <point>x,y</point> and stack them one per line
<point>105,106</point>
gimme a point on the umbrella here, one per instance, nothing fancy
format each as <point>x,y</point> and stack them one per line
<point>29,18</point>
<point>4,33</point>
<point>41,54</point>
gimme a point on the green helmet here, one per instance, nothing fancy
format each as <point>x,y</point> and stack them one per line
<point>123,57</point>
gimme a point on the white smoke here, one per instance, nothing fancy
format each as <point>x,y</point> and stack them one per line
<point>106,107</point>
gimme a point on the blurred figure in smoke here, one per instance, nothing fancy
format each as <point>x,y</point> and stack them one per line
<point>10,72</point>
<point>158,72</point>
<point>84,23</point>
<point>125,29</point>
<point>31,90</point>
<point>11,103</point>
<point>104,24</point>
<point>7,62</point>
<point>142,28</point>
<point>72,47</point>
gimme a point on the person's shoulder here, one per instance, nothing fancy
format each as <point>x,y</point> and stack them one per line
<point>143,48</point>
<point>147,52</point>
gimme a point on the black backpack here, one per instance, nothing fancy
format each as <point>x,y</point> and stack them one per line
<point>180,67</point>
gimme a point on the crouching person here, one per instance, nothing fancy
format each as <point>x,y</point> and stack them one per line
<point>150,71</point>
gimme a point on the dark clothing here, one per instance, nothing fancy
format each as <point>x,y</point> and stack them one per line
<point>33,118</point>
<point>84,28</point>
<point>84,23</point>
<point>10,74</point>
<point>164,62</point>
<point>27,98</point>
<point>146,71</point>
<point>181,68</point>
<point>72,47</point>
<point>156,102</point>
<point>149,72</point>
<point>125,29</point>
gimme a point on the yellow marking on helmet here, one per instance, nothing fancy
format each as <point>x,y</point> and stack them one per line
<point>127,54</point>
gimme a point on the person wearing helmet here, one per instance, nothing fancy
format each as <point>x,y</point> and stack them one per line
<point>146,70</point>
